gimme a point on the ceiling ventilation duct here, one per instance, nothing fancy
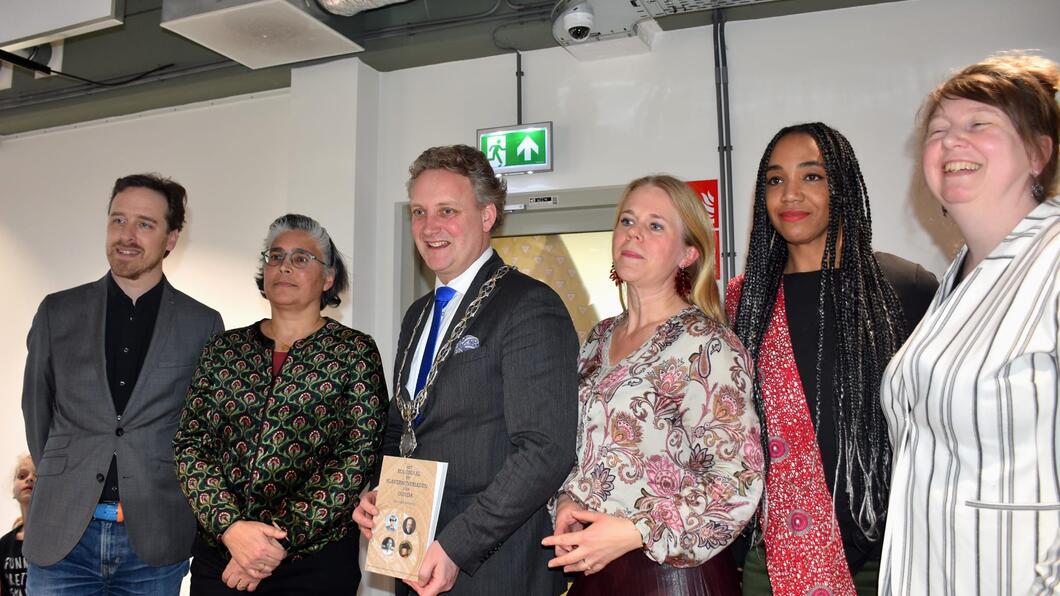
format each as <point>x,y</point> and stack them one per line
<point>256,33</point>
<point>348,8</point>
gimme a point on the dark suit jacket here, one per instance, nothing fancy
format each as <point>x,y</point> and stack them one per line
<point>72,426</point>
<point>504,417</point>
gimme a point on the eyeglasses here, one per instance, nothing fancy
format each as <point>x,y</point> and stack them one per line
<point>300,259</point>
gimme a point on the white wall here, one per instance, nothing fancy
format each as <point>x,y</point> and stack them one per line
<point>54,188</point>
<point>862,70</point>
<point>865,72</point>
<point>337,146</point>
<point>332,157</point>
<point>612,119</point>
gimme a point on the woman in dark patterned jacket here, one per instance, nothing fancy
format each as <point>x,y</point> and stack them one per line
<point>281,429</point>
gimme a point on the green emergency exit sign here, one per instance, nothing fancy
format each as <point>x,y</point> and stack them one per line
<point>518,149</point>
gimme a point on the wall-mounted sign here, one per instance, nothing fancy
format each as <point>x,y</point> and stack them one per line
<point>518,149</point>
<point>708,193</point>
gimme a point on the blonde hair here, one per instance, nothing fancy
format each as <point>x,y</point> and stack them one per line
<point>14,476</point>
<point>704,294</point>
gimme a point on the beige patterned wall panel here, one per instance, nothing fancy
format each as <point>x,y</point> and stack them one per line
<point>549,258</point>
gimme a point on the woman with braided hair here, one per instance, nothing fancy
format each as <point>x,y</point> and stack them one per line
<point>821,315</point>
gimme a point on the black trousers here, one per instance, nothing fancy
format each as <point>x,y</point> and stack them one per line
<point>331,571</point>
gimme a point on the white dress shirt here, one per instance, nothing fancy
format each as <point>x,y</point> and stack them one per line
<point>460,284</point>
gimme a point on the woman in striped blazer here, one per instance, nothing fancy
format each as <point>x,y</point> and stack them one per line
<point>971,398</point>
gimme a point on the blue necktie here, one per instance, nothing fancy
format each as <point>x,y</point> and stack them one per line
<point>442,296</point>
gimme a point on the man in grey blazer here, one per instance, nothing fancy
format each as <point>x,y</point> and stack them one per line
<point>108,366</point>
<point>502,406</point>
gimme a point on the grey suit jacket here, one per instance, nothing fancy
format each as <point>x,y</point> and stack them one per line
<point>73,430</point>
<point>504,415</point>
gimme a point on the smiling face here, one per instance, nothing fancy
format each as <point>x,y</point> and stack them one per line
<point>137,234</point>
<point>289,286</point>
<point>973,155</point>
<point>451,230</point>
<point>648,243</point>
<point>25,479</point>
<point>797,197</point>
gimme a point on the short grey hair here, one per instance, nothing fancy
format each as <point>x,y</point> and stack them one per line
<point>330,255</point>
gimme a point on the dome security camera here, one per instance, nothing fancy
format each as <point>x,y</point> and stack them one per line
<point>579,21</point>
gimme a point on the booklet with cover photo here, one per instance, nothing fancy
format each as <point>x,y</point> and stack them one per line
<point>408,498</point>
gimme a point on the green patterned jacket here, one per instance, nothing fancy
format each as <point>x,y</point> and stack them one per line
<point>296,450</point>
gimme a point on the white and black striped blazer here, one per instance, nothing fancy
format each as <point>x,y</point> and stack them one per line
<point>971,404</point>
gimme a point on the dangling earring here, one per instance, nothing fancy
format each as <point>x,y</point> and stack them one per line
<point>945,212</point>
<point>614,276</point>
<point>683,282</point>
<point>1037,190</point>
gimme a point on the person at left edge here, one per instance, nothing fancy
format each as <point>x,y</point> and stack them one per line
<point>12,563</point>
<point>108,366</point>
<point>281,430</point>
<point>503,407</point>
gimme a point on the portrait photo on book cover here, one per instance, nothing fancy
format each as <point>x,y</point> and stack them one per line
<point>387,546</point>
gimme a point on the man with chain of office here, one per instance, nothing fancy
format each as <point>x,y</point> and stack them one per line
<point>486,380</point>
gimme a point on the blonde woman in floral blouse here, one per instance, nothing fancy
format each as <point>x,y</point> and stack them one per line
<point>281,428</point>
<point>669,463</point>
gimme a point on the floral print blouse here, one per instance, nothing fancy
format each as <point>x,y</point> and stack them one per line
<point>294,449</point>
<point>668,438</point>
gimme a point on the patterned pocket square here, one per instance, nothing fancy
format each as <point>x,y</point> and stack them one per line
<point>466,343</point>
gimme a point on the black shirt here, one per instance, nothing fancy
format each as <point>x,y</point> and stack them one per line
<point>915,288</point>
<point>128,335</point>
<point>13,572</point>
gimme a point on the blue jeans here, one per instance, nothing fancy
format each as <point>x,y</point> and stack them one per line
<point>103,563</point>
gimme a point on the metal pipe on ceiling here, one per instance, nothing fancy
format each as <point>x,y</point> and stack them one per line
<point>540,12</point>
<point>85,90</point>
<point>725,202</point>
<point>518,87</point>
<point>348,8</point>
